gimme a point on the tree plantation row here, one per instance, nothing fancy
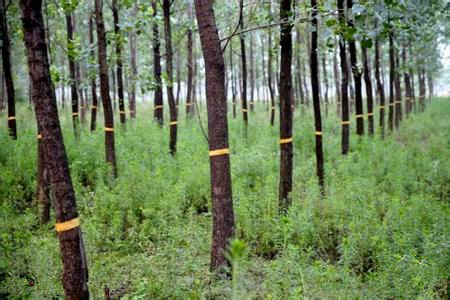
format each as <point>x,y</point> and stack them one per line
<point>371,63</point>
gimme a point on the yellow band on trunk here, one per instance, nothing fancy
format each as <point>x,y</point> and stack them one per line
<point>65,226</point>
<point>219,152</point>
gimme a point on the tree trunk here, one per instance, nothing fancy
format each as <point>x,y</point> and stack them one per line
<point>134,71</point>
<point>345,118</point>
<point>422,89</point>
<point>244,75</point>
<point>269,79</point>
<point>158,113</point>
<point>325,81</point>
<point>380,86</point>
<point>233,81</point>
<point>12,127</point>
<point>69,233</point>
<point>286,149</point>
<point>72,75</point>
<point>337,81</point>
<point>93,76</point>
<point>398,92</point>
<point>2,91</point>
<point>407,81</point>
<point>169,71</point>
<point>252,76</point>
<point>316,100</point>
<point>430,85</point>
<point>190,62</point>
<point>391,79</point>
<point>119,77</point>
<point>104,88</point>
<point>356,77</point>
<point>222,201</point>
<point>369,92</point>
<point>299,72</point>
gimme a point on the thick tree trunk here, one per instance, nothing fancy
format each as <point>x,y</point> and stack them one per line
<point>244,76</point>
<point>158,113</point>
<point>169,71</point>
<point>72,75</point>
<point>316,100</point>
<point>356,77</point>
<point>190,62</point>
<point>345,120</point>
<point>369,92</point>
<point>93,76</point>
<point>12,127</point>
<point>380,87</point>
<point>223,216</point>
<point>391,79</point>
<point>68,228</point>
<point>119,65</point>
<point>134,70</point>
<point>104,88</point>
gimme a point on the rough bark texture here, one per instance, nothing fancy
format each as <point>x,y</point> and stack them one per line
<point>223,216</point>
<point>169,71</point>
<point>119,64</point>
<point>286,149</point>
<point>72,75</point>
<point>110,152</point>
<point>316,100</point>
<point>356,77</point>
<point>71,244</point>
<point>391,80</point>
<point>369,92</point>
<point>380,87</point>
<point>12,127</point>
<point>94,106</point>
<point>158,113</point>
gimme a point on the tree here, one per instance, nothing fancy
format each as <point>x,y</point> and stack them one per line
<point>169,71</point>
<point>222,201</point>
<point>380,87</point>
<point>345,121</point>
<point>134,70</point>
<point>189,103</point>
<point>110,152</point>
<point>356,75</point>
<point>369,93</point>
<point>391,79</point>
<point>7,72</point>
<point>158,99</point>
<point>286,151</point>
<point>244,68</point>
<point>316,100</point>
<point>68,223</point>
<point>94,105</point>
<point>119,63</point>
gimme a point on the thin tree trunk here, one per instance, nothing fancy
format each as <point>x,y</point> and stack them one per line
<point>94,106</point>
<point>407,81</point>
<point>68,227</point>
<point>422,89</point>
<point>252,76</point>
<point>169,71</point>
<point>118,40</point>
<point>190,62</point>
<point>110,152</point>
<point>134,71</point>
<point>380,86</point>
<point>391,79</point>
<point>369,92</point>
<point>316,100</point>
<point>233,81</point>
<point>398,92</point>
<point>72,75</point>
<point>12,127</point>
<point>222,201</point>
<point>269,79</point>
<point>337,81</point>
<point>299,72</point>
<point>325,81</point>
<point>244,75</point>
<point>345,121</point>
<point>2,91</point>
<point>356,77</point>
<point>158,113</point>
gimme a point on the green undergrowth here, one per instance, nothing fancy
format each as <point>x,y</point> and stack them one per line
<point>382,231</point>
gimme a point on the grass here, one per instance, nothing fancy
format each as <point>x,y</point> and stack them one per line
<point>381,232</point>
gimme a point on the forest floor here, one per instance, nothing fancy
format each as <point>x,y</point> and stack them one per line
<point>382,231</point>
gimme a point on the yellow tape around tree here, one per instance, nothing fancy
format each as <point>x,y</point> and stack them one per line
<point>65,226</point>
<point>219,152</point>
<point>286,141</point>
<point>109,129</point>
<point>11,118</point>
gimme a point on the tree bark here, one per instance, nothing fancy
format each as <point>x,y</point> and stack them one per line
<point>158,113</point>
<point>169,71</point>
<point>369,92</point>
<point>93,76</point>
<point>134,70</point>
<point>190,62</point>
<point>222,201</point>
<point>71,243</point>
<point>252,76</point>
<point>325,81</point>
<point>244,74</point>
<point>380,86</point>
<point>269,79</point>
<point>119,64</point>
<point>337,81</point>
<point>72,75</point>
<point>398,92</point>
<point>110,152</point>
<point>356,77</point>
<point>422,89</point>
<point>316,100</point>
<point>407,82</point>
<point>233,81</point>
<point>345,118</point>
<point>391,79</point>
<point>6,56</point>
